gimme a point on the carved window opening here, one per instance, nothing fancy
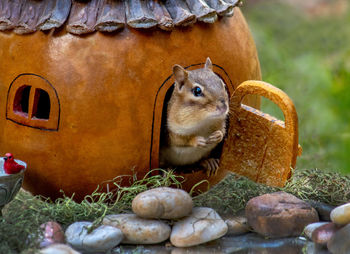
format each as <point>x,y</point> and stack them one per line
<point>20,104</point>
<point>32,101</point>
<point>42,105</point>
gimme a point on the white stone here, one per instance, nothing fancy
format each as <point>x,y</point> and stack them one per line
<point>137,230</point>
<point>311,228</point>
<point>58,249</point>
<point>203,225</point>
<point>162,203</point>
<point>341,214</point>
<point>101,239</point>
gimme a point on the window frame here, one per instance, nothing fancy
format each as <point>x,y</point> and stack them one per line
<point>35,82</point>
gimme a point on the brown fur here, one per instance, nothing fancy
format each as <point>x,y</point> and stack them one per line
<point>195,124</point>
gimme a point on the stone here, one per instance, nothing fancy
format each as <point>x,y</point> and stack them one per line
<point>76,232</point>
<point>237,225</point>
<point>341,214</point>
<point>314,248</point>
<point>279,214</point>
<point>138,230</point>
<point>203,225</point>
<point>52,233</point>
<point>309,229</point>
<point>339,243</point>
<point>324,210</point>
<point>162,203</point>
<point>101,239</point>
<point>323,234</point>
<point>58,249</point>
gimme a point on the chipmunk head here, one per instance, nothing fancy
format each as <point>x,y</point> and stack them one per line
<point>199,98</point>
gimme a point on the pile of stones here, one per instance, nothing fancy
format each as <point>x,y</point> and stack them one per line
<point>166,215</point>
<point>154,211</point>
<point>333,234</point>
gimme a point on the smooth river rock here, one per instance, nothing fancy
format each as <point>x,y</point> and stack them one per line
<point>76,233</point>
<point>137,230</point>
<point>341,214</point>
<point>203,225</point>
<point>237,225</point>
<point>162,203</point>
<point>279,214</point>
<point>52,233</point>
<point>101,239</point>
<point>309,229</point>
<point>324,210</point>
<point>323,234</point>
<point>58,249</point>
<point>339,243</point>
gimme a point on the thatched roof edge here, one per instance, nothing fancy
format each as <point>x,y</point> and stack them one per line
<point>81,17</point>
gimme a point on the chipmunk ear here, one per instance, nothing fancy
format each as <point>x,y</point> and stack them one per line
<point>180,75</point>
<point>208,64</point>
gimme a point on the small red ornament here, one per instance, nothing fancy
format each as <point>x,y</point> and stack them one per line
<point>10,166</point>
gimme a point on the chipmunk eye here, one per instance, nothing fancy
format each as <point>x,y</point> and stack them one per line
<point>197,91</point>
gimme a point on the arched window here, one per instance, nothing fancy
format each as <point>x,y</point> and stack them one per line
<point>32,101</point>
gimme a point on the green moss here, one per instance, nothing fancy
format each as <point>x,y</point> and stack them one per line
<point>232,193</point>
<point>24,215</point>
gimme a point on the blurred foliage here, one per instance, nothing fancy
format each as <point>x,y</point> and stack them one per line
<point>309,58</point>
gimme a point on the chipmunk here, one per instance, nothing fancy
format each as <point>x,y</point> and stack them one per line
<point>196,118</point>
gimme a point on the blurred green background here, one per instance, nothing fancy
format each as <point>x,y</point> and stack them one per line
<point>304,49</point>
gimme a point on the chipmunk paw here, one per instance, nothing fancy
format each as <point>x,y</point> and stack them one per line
<point>211,166</point>
<point>201,141</point>
<point>216,137</point>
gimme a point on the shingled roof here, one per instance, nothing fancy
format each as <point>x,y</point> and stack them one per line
<point>81,17</point>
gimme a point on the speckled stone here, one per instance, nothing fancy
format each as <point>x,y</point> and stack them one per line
<point>101,239</point>
<point>279,214</point>
<point>58,249</point>
<point>52,233</point>
<point>203,225</point>
<point>162,203</point>
<point>309,229</point>
<point>341,214</point>
<point>137,230</point>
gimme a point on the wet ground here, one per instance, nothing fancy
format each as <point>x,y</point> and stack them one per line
<point>246,244</point>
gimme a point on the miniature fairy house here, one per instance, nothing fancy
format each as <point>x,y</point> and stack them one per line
<point>83,90</point>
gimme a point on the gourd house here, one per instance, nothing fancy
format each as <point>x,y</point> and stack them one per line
<point>83,83</point>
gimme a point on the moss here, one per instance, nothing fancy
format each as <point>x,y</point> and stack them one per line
<point>232,193</point>
<point>23,216</point>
